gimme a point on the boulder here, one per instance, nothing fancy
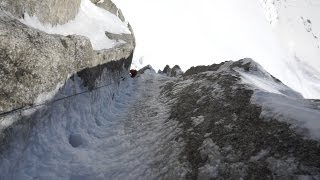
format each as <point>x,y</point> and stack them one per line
<point>47,11</point>
<point>34,64</point>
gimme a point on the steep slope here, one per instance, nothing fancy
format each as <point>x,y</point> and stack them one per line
<point>35,64</point>
<point>231,29</point>
<point>225,121</point>
<point>238,121</point>
<point>117,132</point>
<point>296,25</point>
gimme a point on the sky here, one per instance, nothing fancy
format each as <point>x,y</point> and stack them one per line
<point>204,32</point>
<point>189,32</point>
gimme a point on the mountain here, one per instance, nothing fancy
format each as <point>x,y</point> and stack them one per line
<point>296,26</point>
<point>281,35</point>
<point>225,121</point>
<point>238,121</point>
<point>70,110</point>
<point>37,58</point>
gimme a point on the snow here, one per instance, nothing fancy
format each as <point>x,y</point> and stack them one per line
<point>302,115</point>
<point>280,102</point>
<point>295,24</point>
<point>263,83</point>
<point>91,21</point>
<point>204,32</point>
<point>117,132</point>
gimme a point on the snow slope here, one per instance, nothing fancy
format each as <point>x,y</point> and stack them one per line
<point>280,102</point>
<point>91,21</point>
<point>202,124</point>
<point>204,32</point>
<point>297,27</point>
<point>117,132</point>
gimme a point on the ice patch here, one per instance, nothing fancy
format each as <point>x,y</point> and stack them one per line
<point>91,21</point>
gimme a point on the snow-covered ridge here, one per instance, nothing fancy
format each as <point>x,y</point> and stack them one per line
<point>238,110</point>
<point>91,21</point>
<point>281,102</point>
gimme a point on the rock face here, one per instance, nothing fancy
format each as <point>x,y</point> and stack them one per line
<point>226,134</point>
<point>48,11</point>
<point>34,63</point>
<point>174,72</point>
<point>144,69</point>
<point>109,6</point>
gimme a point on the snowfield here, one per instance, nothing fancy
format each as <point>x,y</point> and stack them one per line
<point>91,21</point>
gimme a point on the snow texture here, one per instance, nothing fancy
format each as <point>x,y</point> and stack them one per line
<point>282,103</point>
<point>296,25</point>
<point>117,132</point>
<point>230,30</point>
<point>91,21</point>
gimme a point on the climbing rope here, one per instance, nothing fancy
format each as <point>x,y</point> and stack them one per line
<point>6,113</point>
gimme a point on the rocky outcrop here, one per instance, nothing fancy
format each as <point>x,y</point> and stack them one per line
<point>174,72</point>
<point>48,11</point>
<point>166,70</point>
<point>33,64</point>
<point>144,69</point>
<point>109,6</point>
<point>229,136</point>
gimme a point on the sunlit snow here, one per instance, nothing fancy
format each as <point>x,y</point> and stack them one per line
<point>91,21</point>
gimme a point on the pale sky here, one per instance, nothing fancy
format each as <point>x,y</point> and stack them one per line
<point>202,32</point>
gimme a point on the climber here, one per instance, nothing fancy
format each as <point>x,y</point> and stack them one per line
<point>133,73</point>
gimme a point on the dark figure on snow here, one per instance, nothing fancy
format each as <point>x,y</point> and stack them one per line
<point>133,73</point>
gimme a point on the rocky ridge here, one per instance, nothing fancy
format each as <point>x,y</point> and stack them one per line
<point>226,133</point>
